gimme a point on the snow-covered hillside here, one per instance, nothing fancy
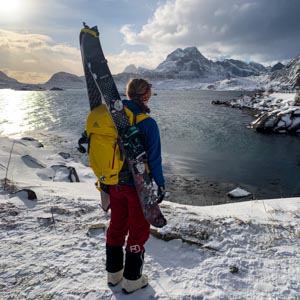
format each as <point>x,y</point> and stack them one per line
<point>238,68</point>
<point>287,77</point>
<point>53,247</point>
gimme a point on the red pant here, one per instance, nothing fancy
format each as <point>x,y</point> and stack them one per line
<point>126,217</point>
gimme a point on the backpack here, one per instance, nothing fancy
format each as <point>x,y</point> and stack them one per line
<point>105,156</point>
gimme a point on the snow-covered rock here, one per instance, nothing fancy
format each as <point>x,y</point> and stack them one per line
<point>279,121</point>
<point>277,111</point>
<point>238,193</point>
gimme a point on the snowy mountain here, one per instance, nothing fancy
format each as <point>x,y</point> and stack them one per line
<point>238,68</point>
<point>184,69</point>
<point>188,68</point>
<point>65,80</point>
<point>288,76</point>
<point>277,67</point>
<point>188,63</point>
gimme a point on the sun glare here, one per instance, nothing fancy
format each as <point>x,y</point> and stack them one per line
<point>10,7</point>
<point>13,113</point>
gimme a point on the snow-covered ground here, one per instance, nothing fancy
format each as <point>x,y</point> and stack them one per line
<point>54,247</point>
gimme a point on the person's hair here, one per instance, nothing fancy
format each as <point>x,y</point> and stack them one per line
<point>136,89</point>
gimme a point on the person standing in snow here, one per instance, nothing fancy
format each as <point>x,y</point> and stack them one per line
<point>126,213</point>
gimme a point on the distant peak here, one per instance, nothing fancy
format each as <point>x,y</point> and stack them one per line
<point>194,52</point>
<point>130,69</point>
<point>176,53</point>
<point>188,51</point>
<point>191,49</point>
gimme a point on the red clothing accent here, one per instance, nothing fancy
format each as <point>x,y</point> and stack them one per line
<point>126,217</point>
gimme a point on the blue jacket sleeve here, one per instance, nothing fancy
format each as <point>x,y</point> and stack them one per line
<point>150,131</point>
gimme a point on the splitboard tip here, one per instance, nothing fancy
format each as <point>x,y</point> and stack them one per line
<point>85,26</point>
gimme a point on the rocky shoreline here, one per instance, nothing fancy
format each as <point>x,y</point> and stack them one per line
<point>273,112</point>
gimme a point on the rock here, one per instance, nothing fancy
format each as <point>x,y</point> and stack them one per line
<point>32,162</point>
<point>65,174</point>
<point>45,221</point>
<point>238,193</point>
<point>73,175</point>
<point>278,121</point>
<point>65,155</point>
<point>56,89</point>
<point>33,141</point>
<point>30,194</point>
<point>233,269</point>
<point>219,102</point>
<point>96,229</point>
<point>60,211</point>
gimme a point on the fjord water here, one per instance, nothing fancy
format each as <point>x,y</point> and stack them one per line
<point>199,139</point>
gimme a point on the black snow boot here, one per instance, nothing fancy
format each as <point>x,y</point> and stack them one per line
<point>114,264</point>
<point>133,278</point>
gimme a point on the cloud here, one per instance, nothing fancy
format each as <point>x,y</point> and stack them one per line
<point>117,63</point>
<point>247,29</point>
<point>27,55</point>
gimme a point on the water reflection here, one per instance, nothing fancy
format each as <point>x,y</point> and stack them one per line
<point>15,112</point>
<point>25,111</point>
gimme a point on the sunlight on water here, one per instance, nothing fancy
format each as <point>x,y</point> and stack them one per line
<point>28,111</point>
<point>24,111</point>
<point>15,112</point>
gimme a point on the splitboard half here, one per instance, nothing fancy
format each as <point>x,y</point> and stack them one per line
<point>101,86</point>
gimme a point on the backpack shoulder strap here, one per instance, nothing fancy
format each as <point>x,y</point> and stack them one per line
<point>130,115</point>
<point>135,119</point>
<point>140,117</point>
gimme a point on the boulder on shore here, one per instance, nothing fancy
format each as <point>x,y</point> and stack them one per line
<point>279,121</point>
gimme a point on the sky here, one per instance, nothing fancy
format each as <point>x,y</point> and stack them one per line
<point>40,38</point>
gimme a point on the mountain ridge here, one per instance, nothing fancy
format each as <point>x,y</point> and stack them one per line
<point>183,65</point>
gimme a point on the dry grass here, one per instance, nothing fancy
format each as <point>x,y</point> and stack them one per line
<point>8,186</point>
